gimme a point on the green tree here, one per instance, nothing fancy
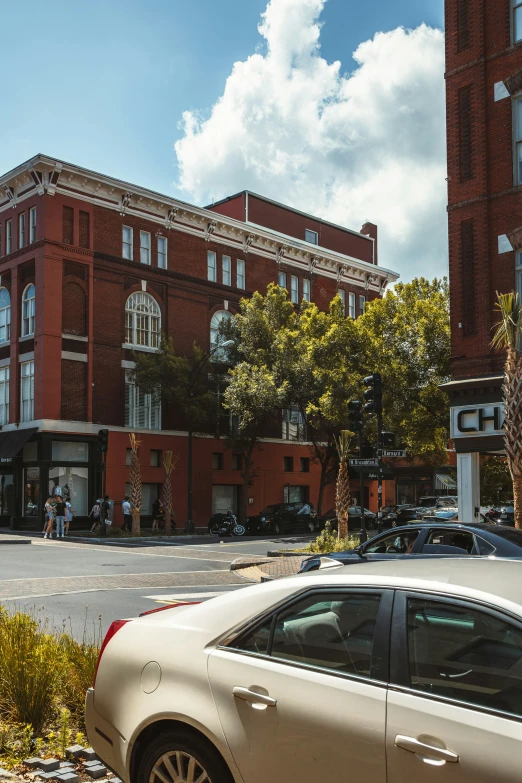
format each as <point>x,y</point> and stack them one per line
<point>256,389</point>
<point>496,485</point>
<point>406,337</point>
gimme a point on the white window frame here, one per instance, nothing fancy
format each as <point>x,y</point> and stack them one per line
<point>5,315</point>
<point>342,294</point>
<point>220,354</point>
<point>518,273</point>
<point>28,310</point>
<point>240,273</point>
<point>306,289</point>
<point>362,303</point>
<point>145,247</point>
<point>27,391</point>
<point>8,236</point>
<point>142,411</point>
<point>142,321</point>
<point>226,270</point>
<point>313,240</point>
<point>293,424</point>
<point>21,229</point>
<point>212,266</point>
<point>162,254</point>
<point>517,139</point>
<point>516,6</point>
<point>351,305</point>
<point>281,279</point>
<point>4,395</point>
<point>294,289</point>
<point>127,245</point>
<point>32,225</point>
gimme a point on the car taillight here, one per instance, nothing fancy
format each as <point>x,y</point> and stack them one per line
<point>114,628</point>
<point>169,606</point>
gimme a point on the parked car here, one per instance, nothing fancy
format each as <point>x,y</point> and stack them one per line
<point>426,505</point>
<point>282,518</point>
<point>431,538</point>
<point>507,514</point>
<point>444,515</point>
<point>354,519</point>
<point>390,674</point>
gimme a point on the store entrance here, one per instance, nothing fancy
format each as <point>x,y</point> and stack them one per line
<point>7,506</point>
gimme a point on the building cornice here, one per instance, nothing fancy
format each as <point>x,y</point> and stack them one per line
<point>44,175</point>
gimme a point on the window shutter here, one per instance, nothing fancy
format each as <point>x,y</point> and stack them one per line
<point>462,25</point>
<point>129,407</point>
<point>68,225</point>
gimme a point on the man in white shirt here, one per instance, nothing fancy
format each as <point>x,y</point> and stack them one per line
<point>127,517</point>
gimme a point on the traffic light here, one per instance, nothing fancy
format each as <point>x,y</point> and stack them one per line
<point>373,393</point>
<point>103,440</point>
<point>355,422</point>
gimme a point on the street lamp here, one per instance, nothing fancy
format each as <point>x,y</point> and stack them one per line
<point>193,376</point>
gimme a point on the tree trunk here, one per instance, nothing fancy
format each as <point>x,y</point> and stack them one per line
<point>342,499</point>
<point>512,389</point>
<point>322,485</point>
<point>136,521</point>
<point>517,500</point>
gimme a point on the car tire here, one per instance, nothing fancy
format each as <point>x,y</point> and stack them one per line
<point>179,750</point>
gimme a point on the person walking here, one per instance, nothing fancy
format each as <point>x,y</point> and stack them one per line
<point>49,516</point>
<point>158,514</point>
<point>69,514</point>
<point>127,516</point>
<point>95,515</point>
<point>105,517</point>
<point>60,517</point>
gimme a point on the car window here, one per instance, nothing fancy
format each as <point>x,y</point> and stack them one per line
<point>398,543</point>
<point>465,654</point>
<point>461,539</point>
<point>484,547</point>
<point>332,631</point>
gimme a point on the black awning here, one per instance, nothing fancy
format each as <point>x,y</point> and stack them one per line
<point>372,473</point>
<point>12,442</point>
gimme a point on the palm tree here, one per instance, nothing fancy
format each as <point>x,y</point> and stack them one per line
<point>169,463</point>
<point>508,336</point>
<point>135,483</point>
<point>342,490</point>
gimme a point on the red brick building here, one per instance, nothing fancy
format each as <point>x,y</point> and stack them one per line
<point>484,142</point>
<point>93,268</point>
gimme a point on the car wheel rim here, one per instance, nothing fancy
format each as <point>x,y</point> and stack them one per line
<point>178,767</point>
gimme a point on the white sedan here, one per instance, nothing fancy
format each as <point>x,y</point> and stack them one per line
<point>383,672</point>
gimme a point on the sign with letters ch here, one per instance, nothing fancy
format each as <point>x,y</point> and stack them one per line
<point>471,421</point>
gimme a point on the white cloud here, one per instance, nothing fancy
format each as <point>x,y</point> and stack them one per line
<point>369,145</point>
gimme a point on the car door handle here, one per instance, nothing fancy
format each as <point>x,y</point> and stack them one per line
<point>256,698</point>
<point>414,746</point>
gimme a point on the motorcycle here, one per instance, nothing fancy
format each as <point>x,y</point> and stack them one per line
<point>225,525</point>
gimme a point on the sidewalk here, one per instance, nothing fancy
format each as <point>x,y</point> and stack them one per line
<point>263,569</point>
<point>26,536</point>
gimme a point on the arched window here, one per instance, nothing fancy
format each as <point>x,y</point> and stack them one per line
<point>142,321</point>
<point>5,315</point>
<point>215,337</point>
<point>28,311</point>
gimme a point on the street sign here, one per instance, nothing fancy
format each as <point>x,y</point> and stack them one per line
<point>394,453</point>
<point>364,463</point>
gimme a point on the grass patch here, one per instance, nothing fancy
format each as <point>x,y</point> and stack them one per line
<point>44,674</point>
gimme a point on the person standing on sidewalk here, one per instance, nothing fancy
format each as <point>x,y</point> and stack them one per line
<point>60,517</point>
<point>127,516</point>
<point>50,506</point>
<point>105,515</point>
<point>69,514</point>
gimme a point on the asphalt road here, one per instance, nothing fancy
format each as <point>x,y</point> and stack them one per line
<point>83,587</point>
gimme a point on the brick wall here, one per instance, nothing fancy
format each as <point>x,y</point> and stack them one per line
<point>480,175</point>
<point>74,390</point>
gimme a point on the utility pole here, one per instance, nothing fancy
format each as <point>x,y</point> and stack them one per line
<point>373,395</point>
<point>355,424</point>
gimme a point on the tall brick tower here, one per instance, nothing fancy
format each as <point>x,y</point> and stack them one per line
<point>484,142</point>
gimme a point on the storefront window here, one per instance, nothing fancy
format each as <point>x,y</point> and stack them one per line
<point>295,494</point>
<point>72,483</point>
<point>6,495</point>
<point>70,451</point>
<point>149,493</point>
<point>31,492</point>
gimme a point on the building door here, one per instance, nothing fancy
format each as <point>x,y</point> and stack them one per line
<point>224,496</point>
<point>6,495</point>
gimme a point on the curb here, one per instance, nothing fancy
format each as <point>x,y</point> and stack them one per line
<point>237,565</point>
<point>285,553</point>
<point>12,541</point>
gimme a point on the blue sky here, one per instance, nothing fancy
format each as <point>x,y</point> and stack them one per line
<point>104,84</point>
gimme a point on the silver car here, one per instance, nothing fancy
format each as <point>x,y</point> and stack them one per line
<point>378,672</point>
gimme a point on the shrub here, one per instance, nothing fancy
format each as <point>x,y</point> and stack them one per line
<point>79,665</point>
<point>328,541</point>
<point>30,670</point>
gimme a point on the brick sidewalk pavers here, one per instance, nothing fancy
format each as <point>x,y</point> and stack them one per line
<point>272,568</point>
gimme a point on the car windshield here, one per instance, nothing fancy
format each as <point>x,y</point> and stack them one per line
<point>515,536</point>
<point>269,510</point>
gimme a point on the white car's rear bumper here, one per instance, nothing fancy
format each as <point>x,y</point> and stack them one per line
<point>106,741</point>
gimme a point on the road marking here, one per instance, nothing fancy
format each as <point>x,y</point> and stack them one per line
<point>186,596</point>
<point>131,551</point>
<point>106,576</point>
<point>106,590</point>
